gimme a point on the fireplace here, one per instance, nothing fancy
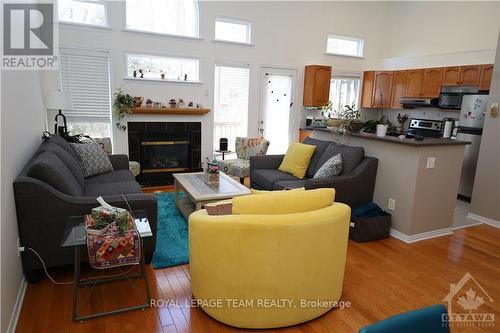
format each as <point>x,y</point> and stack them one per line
<point>164,148</point>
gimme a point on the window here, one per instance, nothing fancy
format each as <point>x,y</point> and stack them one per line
<point>153,67</point>
<point>233,31</point>
<point>344,91</point>
<point>342,45</point>
<point>231,103</point>
<point>172,17</point>
<point>86,76</point>
<point>91,12</point>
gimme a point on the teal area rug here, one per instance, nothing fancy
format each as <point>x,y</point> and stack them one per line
<point>172,243</point>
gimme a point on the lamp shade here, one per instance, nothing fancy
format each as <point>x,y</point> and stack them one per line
<point>58,100</point>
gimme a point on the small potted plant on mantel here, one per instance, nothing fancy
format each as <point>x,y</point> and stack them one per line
<point>122,105</point>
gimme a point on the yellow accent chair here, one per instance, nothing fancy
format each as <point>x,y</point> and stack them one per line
<point>277,261</point>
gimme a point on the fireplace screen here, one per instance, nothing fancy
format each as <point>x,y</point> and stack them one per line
<point>165,155</point>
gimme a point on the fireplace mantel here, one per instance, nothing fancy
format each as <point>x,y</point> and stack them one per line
<point>167,111</point>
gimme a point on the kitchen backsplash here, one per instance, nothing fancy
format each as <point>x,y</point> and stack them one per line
<point>425,113</point>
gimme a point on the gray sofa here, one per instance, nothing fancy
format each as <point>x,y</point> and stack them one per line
<point>354,186</point>
<point>51,188</point>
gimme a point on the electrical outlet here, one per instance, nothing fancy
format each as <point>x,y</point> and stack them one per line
<point>391,205</point>
<point>19,247</point>
<point>431,162</point>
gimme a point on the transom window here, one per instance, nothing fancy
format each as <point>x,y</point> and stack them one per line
<point>344,90</point>
<point>90,12</point>
<point>343,45</point>
<point>163,68</point>
<point>171,17</point>
<point>230,30</point>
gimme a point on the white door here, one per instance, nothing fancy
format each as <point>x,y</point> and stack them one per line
<point>277,121</point>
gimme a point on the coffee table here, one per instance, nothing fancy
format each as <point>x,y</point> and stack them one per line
<point>197,192</point>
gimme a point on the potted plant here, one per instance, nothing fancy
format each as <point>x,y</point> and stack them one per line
<point>350,118</point>
<point>330,115</point>
<point>371,125</point>
<point>123,104</point>
<point>162,74</point>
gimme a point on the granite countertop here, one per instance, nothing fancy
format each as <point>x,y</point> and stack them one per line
<point>396,140</point>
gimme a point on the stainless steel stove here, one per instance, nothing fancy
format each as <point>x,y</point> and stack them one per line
<point>427,128</point>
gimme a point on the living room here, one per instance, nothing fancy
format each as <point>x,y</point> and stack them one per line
<point>198,106</point>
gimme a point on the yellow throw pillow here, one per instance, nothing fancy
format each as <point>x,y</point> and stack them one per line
<point>297,159</point>
<point>283,202</point>
<point>254,191</point>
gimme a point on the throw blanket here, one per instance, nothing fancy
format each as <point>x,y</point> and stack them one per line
<point>112,249</point>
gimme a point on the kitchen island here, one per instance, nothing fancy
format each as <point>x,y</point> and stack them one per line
<point>422,177</point>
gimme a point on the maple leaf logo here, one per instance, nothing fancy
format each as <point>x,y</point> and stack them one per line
<point>470,301</point>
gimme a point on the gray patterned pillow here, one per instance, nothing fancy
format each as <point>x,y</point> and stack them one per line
<point>330,168</point>
<point>94,160</point>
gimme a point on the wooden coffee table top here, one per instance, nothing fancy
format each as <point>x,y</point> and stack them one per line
<point>199,190</point>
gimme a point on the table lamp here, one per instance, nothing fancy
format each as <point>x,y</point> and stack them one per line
<point>58,100</point>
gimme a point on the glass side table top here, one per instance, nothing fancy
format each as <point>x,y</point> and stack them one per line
<point>75,235</point>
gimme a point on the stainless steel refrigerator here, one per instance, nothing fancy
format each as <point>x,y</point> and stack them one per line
<point>470,128</point>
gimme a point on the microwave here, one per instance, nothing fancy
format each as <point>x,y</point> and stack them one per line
<point>451,97</point>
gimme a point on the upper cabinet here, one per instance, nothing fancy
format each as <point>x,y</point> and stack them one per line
<point>432,82</point>
<point>398,88</point>
<point>317,85</point>
<point>377,88</point>
<point>485,78</point>
<point>451,76</point>
<point>414,83</point>
<point>384,89</point>
<point>424,82</point>
<point>469,75</point>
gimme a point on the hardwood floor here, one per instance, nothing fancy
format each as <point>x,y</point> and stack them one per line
<point>382,278</point>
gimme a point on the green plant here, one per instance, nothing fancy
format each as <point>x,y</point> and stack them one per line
<point>327,110</point>
<point>349,114</point>
<point>123,104</point>
<point>372,124</point>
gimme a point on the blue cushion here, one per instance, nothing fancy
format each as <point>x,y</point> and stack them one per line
<point>426,320</point>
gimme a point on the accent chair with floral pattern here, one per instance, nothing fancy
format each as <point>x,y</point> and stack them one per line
<point>245,147</point>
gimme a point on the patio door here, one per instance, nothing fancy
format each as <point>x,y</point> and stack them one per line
<point>277,121</point>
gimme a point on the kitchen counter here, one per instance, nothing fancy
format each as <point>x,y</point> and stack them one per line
<point>394,139</point>
<point>422,177</point>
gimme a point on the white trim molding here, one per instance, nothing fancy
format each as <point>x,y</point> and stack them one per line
<point>485,220</point>
<point>419,237</point>
<point>17,307</point>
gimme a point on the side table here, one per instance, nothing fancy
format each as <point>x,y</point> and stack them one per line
<point>75,236</point>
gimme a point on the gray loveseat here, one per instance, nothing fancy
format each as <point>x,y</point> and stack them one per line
<point>354,186</point>
<point>51,188</point>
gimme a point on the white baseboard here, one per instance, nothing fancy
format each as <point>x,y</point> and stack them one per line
<point>17,307</point>
<point>485,220</point>
<point>418,237</point>
<point>467,226</point>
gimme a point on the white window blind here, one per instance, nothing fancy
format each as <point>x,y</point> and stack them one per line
<point>86,76</point>
<point>344,91</point>
<point>231,103</point>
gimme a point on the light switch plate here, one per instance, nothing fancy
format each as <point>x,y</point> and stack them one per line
<point>431,162</point>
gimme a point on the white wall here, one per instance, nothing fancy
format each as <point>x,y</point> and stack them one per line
<point>290,34</point>
<point>427,34</point>
<point>22,124</point>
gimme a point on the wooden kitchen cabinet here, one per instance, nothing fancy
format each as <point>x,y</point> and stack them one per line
<point>376,91</point>
<point>485,78</point>
<point>398,88</point>
<point>317,85</point>
<point>451,76</point>
<point>382,89</point>
<point>432,82</point>
<point>414,83</point>
<point>469,75</point>
<point>367,89</point>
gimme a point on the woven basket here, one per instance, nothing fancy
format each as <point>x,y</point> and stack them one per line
<point>365,229</point>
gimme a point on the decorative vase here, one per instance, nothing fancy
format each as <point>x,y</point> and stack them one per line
<point>381,130</point>
<point>138,101</point>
